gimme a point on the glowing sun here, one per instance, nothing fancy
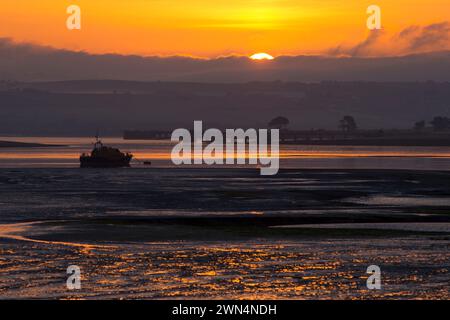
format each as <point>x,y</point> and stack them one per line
<point>261,56</point>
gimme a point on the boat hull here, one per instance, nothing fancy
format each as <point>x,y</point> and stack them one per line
<point>90,162</point>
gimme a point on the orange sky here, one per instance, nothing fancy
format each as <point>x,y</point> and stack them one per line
<point>210,28</point>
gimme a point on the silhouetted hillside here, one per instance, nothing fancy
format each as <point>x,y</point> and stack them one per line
<point>82,107</point>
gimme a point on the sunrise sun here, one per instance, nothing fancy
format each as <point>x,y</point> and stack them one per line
<point>261,56</point>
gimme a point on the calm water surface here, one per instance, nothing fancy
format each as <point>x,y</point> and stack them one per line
<point>116,224</point>
<point>292,156</point>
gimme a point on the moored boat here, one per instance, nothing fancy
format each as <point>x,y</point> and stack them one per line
<point>105,157</point>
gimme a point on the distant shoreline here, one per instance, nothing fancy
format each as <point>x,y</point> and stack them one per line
<point>347,142</point>
<point>376,138</point>
<point>373,142</point>
<point>15,144</point>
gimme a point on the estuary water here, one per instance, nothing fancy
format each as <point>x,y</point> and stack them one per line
<point>160,231</point>
<point>292,156</point>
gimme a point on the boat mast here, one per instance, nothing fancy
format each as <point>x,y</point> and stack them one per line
<point>98,143</point>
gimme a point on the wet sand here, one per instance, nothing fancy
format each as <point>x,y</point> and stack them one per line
<point>412,268</point>
<point>224,233</point>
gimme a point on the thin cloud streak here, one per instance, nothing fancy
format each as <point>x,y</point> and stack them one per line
<point>411,40</point>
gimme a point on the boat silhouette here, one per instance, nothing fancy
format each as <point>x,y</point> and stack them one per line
<point>105,157</point>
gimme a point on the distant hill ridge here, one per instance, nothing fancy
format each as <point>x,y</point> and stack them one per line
<point>83,107</point>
